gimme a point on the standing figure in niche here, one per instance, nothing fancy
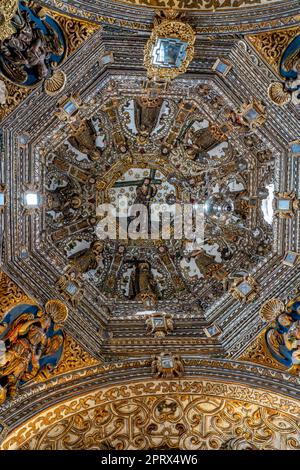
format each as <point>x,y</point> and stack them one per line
<point>145,194</point>
<point>142,283</point>
<point>146,114</point>
<point>84,140</point>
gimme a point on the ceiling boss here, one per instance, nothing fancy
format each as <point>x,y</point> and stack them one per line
<point>170,48</point>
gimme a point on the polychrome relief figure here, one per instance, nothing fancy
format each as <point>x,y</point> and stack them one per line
<point>31,343</point>
<point>36,47</point>
<point>283,337</point>
<point>87,259</point>
<point>282,93</point>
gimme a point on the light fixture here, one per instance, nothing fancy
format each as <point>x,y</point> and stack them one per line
<point>222,67</point>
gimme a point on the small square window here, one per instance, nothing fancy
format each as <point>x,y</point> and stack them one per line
<point>295,148</point>
<point>212,330</point>
<point>71,288</point>
<point>284,204</point>
<point>244,288</point>
<point>291,258</point>
<point>251,115</point>
<point>70,108</point>
<point>169,52</point>
<point>31,199</point>
<point>167,363</point>
<point>24,253</point>
<point>107,59</point>
<point>222,66</point>
<point>23,139</point>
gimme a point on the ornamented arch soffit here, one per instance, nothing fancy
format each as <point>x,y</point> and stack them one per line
<point>207,16</point>
<point>162,415</point>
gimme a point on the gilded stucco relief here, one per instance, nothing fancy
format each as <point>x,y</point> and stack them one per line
<point>160,415</point>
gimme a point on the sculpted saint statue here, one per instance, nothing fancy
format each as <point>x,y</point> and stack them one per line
<point>142,283</point>
<point>88,259</point>
<point>146,114</point>
<point>145,194</point>
<point>29,49</point>
<point>84,140</point>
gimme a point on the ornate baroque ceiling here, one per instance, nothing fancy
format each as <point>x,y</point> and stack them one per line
<point>88,118</point>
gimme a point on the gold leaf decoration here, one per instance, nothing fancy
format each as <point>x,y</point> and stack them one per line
<point>271,45</point>
<point>74,358</point>
<point>15,95</point>
<point>258,353</point>
<point>278,95</point>
<point>270,310</point>
<point>76,31</point>
<point>7,11</point>
<point>10,295</point>
<point>163,415</point>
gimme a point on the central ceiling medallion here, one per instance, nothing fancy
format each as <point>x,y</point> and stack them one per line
<point>170,48</point>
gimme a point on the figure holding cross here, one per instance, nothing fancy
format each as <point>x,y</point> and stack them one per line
<point>145,194</point>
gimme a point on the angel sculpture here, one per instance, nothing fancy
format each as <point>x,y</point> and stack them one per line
<point>27,53</point>
<point>26,343</point>
<point>84,140</point>
<point>86,260</point>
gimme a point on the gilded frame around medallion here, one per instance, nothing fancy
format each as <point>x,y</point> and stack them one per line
<point>293,205</point>
<point>291,262</point>
<point>169,29</point>
<point>245,289</point>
